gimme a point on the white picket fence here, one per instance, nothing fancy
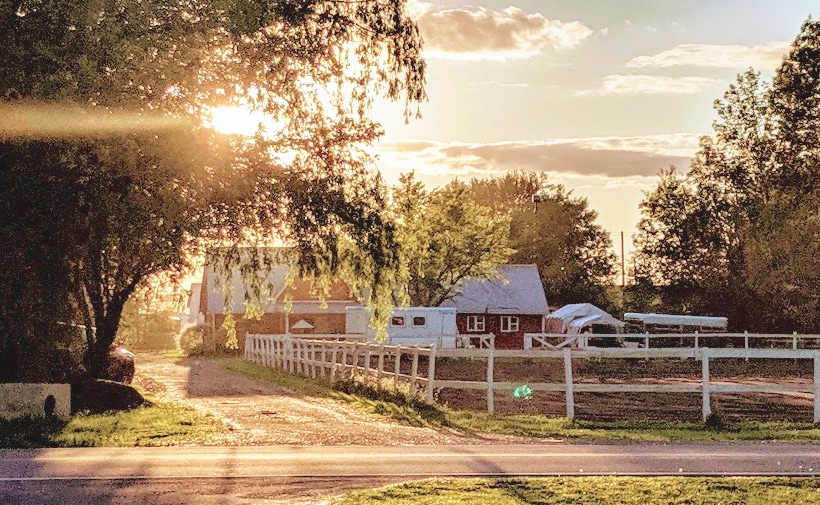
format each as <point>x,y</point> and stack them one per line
<point>336,359</point>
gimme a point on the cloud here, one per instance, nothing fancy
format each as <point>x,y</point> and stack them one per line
<point>478,33</point>
<point>619,84</point>
<point>500,84</point>
<point>612,157</point>
<point>766,55</point>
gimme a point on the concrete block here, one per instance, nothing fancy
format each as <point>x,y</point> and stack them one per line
<point>35,400</point>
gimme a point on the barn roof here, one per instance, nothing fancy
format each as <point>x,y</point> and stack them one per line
<point>273,288</point>
<point>517,291</point>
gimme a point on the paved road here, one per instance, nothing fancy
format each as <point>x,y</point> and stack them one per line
<point>309,475</point>
<point>425,461</point>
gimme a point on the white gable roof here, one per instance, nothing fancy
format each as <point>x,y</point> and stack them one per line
<point>576,316</point>
<point>518,291</point>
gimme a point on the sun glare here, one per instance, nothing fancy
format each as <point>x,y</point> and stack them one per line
<point>242,121</point>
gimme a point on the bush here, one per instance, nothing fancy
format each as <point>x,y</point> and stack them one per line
<point>192,340</point>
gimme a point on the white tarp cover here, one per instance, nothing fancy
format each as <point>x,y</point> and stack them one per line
<point>574,317</point>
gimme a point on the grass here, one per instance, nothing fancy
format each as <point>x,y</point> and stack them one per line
<point>409,410</point>
<point>155,425</point>
<point>593,490</point>
<point>413,411</point>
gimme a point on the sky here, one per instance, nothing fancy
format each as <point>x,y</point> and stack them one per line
<point>599,94</point>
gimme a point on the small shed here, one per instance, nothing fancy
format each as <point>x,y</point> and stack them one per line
<point>577,318</point>
<point>508,307</point>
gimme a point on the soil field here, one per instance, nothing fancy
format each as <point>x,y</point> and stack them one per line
<point>633,406</point>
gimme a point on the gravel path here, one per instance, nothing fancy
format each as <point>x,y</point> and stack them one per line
<point>264,414</point>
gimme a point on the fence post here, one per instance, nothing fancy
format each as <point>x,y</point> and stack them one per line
<point>343,368</point>
<point>289,354</point>
<point>312,353</point>
<point>696,339</point>
<point>706,387</point>
<point>816,387</point>
<point>490,398</point>
<point>323,360</point>
<point>367,356</point>
<point>397,369</point>
<point>381,366</point>
<point>794,340</point>
<point>431,374</point>
<point>568,381</point>
<point>746,342</point>
<point>414,370</point>
<point>646,341</point>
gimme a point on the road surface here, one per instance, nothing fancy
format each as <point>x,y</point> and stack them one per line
<point>220,472</point>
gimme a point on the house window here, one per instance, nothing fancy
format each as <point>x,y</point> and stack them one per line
<point>397,321</point>
<point>509,324</point>
<point>475,323</point>
<point>419,321</point>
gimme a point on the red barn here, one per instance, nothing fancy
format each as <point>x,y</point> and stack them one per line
<point>285,308</point>
<point>507,307</point>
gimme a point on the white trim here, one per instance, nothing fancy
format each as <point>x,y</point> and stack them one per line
<point>509,324</point>
<point>473,323</point>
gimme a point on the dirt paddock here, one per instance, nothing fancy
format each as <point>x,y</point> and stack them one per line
<point>635,406</point>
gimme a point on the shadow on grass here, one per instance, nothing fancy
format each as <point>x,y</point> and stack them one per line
<point>406,408</point>
<point>30,433</point>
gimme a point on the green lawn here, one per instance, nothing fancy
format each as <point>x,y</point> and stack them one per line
<point>592,491</point>
<point>159,424</point>
<point>417,413</point>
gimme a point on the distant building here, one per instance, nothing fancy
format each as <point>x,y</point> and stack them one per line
<point>306,315</point>
<point>507,307</point>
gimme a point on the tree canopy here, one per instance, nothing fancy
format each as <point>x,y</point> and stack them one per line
<point>554,230</point>
<point>110,172</point>
<point>738,234</point>
<point>445,238</point>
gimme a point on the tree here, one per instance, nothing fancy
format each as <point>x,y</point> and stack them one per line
<point>795,106</point>
<point>554,230</point>
<point>136,179</point>
<point>691,241</point>
<point>745,243</point>
<point>150,318</point>
<point>445,238</point>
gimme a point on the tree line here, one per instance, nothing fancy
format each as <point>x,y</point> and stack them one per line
<point>468,229</point>
<point>738,235</point>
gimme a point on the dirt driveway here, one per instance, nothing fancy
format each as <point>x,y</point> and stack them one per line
<point>263,414</point>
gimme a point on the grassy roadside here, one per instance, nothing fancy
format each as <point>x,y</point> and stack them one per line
<point>593,490</point>
<point>417,413</point>
<point>155,425</point>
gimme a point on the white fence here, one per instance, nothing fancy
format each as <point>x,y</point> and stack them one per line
<point>555,341</point>
<point>335,359</point>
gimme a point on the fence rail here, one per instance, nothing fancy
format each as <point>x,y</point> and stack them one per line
<point>336,359</point>
<point>696,340</point>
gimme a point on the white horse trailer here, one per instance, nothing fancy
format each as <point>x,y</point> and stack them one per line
<point>674,323</point>
<point>410,326</point>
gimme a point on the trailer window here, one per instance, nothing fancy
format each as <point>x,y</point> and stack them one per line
<point>419,321</point>
<point>397,321</point>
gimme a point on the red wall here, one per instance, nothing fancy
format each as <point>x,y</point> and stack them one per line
<point>527,323</point>
<point>274,323</point>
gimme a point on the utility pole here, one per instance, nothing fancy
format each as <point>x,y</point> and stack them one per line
<point>623,260</point>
